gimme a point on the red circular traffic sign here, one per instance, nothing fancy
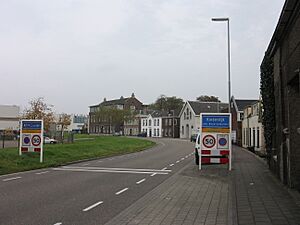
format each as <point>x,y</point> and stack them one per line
<point>209,141</point>
<point>36,140</point>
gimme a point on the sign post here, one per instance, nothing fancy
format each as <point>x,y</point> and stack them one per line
<point>31,137</point>
<point>215,133</point>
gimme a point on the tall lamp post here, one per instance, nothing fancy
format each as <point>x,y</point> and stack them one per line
<point>228,44</point>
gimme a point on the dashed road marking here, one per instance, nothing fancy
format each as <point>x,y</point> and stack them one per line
<point>177,161</point>
<point>172,164</point>
<point>182,158</point>
<point>140,181</point>
<point>58,223</point>
<point>120,192</point>
<point>12,178</point>
<point>92,206</point>
<point>42,172</point>
<point>86,164</point>
<point>164,168</point>
<point>153,174</point>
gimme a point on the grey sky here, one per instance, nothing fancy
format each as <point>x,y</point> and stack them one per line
<point>76,52</point>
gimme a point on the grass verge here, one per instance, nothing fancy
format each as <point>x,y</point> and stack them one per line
<point>55,155</point>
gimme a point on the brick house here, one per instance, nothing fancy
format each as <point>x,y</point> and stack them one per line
<point>237,115</point>
<point>284,53</point>
<point>98,125</point>
<point>171,124</point>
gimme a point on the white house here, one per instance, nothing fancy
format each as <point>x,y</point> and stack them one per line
<point>9,117</point>
<point>252,128</point>
<point>190,115</point>
<point>152,124</point>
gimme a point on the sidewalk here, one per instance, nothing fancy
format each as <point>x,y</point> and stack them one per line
<point>249,194</point>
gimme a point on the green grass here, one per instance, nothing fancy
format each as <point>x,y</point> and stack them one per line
<point>55,155</point>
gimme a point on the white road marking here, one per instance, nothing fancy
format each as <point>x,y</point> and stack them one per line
<point>172,164</point>
<point>164,168</point>
<point>141,181</point>
<point>42,172</point>
<point>123,190</point>
<point>182,158</point>
<point>186,156</point>
<point>100,161</point>
<point>164,172</point>
<point>177,161</point>
<point>114,168</point>
<point>92,206</point>
<point>86,164</point>
<point>58,223</point>
<point>12,178</point>
<point>153,174</point>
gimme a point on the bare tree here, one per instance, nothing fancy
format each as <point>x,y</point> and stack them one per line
<point>64,120</point>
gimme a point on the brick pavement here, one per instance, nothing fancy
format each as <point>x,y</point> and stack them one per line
<point>249,194</point>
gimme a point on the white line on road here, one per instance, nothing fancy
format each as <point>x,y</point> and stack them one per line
<point>164,168</point>
<point>123,190</point>
<point>177,161</point>
<point>92,206</point>
<point>163,172</point>
<point>172,164</point>
<point>12,178</point>
<point>141,181</point>
<point>114,168</point>
<point>182,158</point>
<point>186,156</point>
<point>153,174</point>
<point>86,164</point>
<point>42,172</point>
<point>58,223</point>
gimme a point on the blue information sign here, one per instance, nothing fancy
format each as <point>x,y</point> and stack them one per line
<point>215,121</point>
<point>32,125</point>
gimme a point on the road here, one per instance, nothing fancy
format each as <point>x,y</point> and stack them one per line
<point>91,192</point>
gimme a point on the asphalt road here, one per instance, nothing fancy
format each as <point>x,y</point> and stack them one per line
<point>89,192</point>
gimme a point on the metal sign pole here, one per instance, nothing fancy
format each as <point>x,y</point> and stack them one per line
<point>42,141</point>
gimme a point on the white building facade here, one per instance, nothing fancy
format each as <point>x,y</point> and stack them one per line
<point>9,117</point>
<point>152,125</point>
<point>190,115</point>
<point>252,128</point>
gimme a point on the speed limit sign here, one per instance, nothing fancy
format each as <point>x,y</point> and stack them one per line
<point>209,141</point>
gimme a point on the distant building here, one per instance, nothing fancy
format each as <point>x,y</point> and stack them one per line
<point>190,115</point>
<point>252,128</point>
<point>152,124</point>
<point>171,124</point>
<point>237,115</point>
<point>78,122</point>
<point>283,56</point>
<point>102,125</point>
<point>9,117</point>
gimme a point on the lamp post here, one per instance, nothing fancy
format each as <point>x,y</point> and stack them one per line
<point>228,44</point>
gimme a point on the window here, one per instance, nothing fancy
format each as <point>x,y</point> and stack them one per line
<point>190,115</point>
<point>170,122</point>
<point>166,122</point>
<point>184,115</point>
<point>157,132</point>
<point>146,122</point>
<point>149,122</point>
<point>182,130</point>
<point>253,131</point>
<point>175,121</point>
<point>154,132</point>
<point>154,122</point>
<point>157,122</point>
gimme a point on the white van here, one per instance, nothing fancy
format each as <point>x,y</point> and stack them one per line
<point>197,148</point>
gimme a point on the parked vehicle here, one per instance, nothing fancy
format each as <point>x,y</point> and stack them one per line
<point>144,134</point>
<point>194,137</point>
<point>48,140</point>
<point>197,148</point>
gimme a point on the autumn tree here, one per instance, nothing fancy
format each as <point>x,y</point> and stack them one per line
<point>113,116</point>
<point>38,109</point>
<point>165,103</point>
<point>207,98</point>
<point>63,121</point>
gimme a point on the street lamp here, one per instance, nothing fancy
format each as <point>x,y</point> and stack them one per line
<point>228,42</point>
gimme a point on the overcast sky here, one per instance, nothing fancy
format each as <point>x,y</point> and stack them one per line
<point>76,52</point>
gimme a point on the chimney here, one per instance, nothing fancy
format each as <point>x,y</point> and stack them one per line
<point>104,99</point>
<point>121,97</point>
<point>132,95</point>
